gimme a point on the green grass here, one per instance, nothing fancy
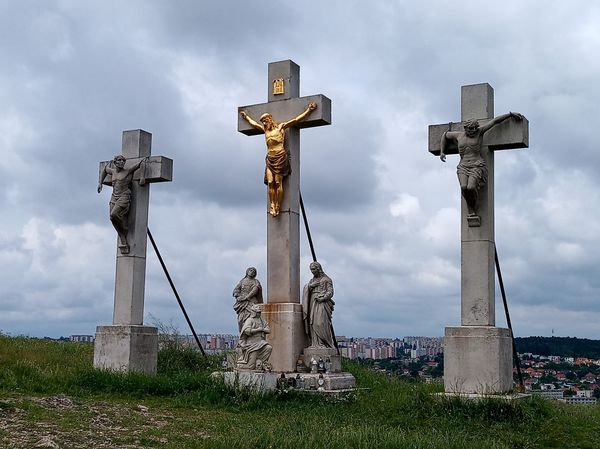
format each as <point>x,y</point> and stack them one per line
<point>188,409</point>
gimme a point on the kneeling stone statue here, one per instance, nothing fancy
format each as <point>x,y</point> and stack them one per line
<point>253,350</point>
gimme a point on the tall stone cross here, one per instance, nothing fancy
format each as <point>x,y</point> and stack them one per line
<point>128,344</point>
<point>283,310</point>
<point>477,355</point>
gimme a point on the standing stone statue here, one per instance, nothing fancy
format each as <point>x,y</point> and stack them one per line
<point>247,293</point>
<point>120,200</point>
<point>472,170</point>
<point>277,160</point>
<point>317,307</point>
<point>253,346</point>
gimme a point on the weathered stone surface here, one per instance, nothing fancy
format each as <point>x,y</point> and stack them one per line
<point>130,281</point>
<point>477,283</point>
<point>247,292</point>
<point>257,381</point>
<point>477,359</point>
<point>158,169</point>
<point>283,246</point>
<point>477,356</point>
<point>330,354</point>
<point>283,311</point>
<point>253,347</point>
<point>287,335</point>
<point>331,381</point>
<point>126,348</point>
<point>284,110</point>
<point>317,306</point>
<point>128,345</point>
<point>261,381</point>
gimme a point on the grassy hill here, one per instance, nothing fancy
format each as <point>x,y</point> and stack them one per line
<point>51,397</point>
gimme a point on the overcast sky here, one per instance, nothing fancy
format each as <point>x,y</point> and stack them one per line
<point>384,212</point>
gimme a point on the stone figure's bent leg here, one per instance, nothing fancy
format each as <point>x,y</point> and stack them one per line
<point>270,178</point>
<point>468,188</point>
<point>463,180</point>
<point>119,219</point>
<point>278,192</point>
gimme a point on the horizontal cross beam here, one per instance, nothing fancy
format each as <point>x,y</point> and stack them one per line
<point>286,110</point>
<point>158,169</point>
<point>508,135</point>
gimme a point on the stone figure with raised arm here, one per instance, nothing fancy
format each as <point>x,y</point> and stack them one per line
<point>317,308</point>
<point>247,293</point>
<point>120,200</point>
<point>277,160</point>
<point>472,170</point>
<point>253,345</point>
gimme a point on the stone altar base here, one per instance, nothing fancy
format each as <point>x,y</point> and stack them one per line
<point>323,353</point>
<point>265,381</point>
<point>477,360</point>
<point>512,397</point>
<point>126,348</point>
<point>287,335</point>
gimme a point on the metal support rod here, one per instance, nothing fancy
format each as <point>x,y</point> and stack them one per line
<point>508,322</point>
<point>187,318</point>
<point>314,257</point>
<point>310,242</point>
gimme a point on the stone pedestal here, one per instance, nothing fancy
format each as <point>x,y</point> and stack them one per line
<point>323,353</point>
<point>263,381</point>
<point>477,360</point>
<point>126,348</point>
<point>287,335</point>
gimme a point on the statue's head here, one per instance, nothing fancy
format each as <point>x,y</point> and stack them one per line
<point>119,160</point>
<point>315,268</point>
<point>471,128</point>
<point>267,120</point>
<point>251,272</point>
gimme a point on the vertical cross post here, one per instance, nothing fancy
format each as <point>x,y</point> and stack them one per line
<point>283,310</point>
<point>128,344</point>
<point>477,355</point>
<point>477,293</point>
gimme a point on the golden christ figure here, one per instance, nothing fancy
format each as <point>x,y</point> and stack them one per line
<point>277,160</point>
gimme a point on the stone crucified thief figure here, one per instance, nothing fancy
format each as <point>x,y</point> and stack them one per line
<point>120,200</point>
<point>277,161</point>
<point>471,170</point>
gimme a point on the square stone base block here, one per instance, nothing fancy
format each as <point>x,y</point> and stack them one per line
<point>287,335</point>
<point>477,360</point>
<point>325,354</point>
<point>126,348</point>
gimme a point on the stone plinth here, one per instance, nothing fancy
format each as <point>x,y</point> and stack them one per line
<point>477,360</point>
<point>287,335</point>
<point>264,381</point>
<point>126,348</point>
<point>323,353</point>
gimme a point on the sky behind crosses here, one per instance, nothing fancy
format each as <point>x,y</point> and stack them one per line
<point>384,213</point>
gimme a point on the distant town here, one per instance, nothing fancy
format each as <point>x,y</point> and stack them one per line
<point>573,380</point>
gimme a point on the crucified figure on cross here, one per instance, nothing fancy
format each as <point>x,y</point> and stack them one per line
<point>277,160</point>
<point>120,200</point>
<point>471,170</point>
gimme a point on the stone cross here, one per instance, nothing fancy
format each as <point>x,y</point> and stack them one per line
<point>477,253</point>
<point>131,267</point>
<point>283,231</point>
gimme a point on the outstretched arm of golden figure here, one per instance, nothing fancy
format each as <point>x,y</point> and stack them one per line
<point>489,125</point>
<point>311,107</point>
<point>252,122</point>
